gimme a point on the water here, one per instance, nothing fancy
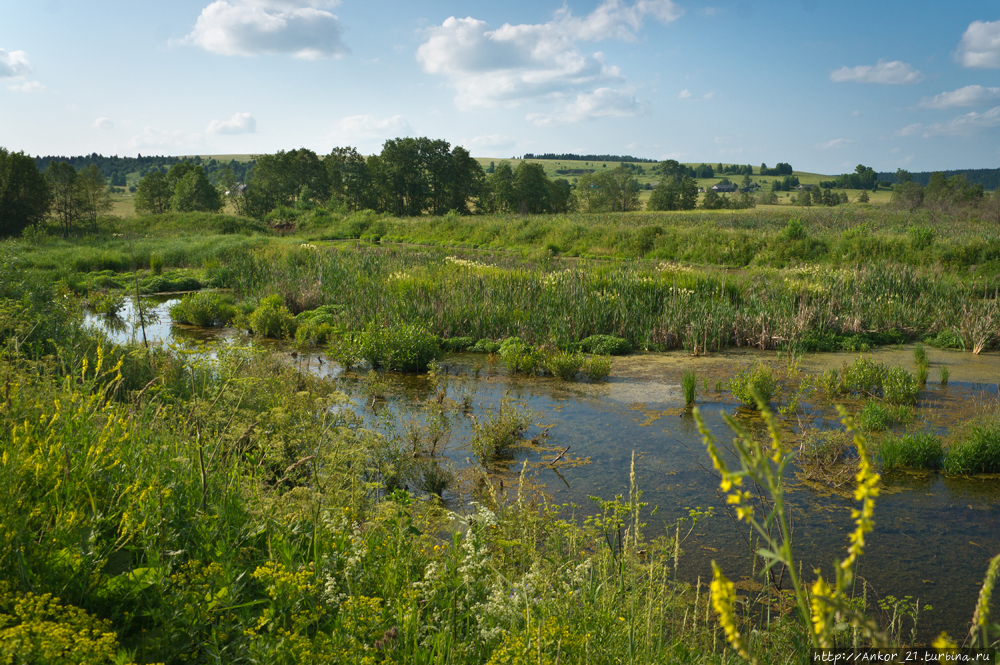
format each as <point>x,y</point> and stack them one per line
<point>934,534</point>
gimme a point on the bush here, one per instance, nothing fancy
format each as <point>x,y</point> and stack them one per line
<point>606,345</point>
<point>204,309</point>
<point>518,356</point>
<point>499,433</point>
<point>403,348</point>
<point>314,332</point>
<point>756,382</point>
<point>912,451</point>
<point>899,386</point>
<point>871,378</point>
<point>794,230</point>
<point>564,365</point>
<point>977,450</point>
<point>272,319</point>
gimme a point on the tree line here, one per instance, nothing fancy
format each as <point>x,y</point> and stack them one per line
<point>115,169</point>
<point>568,156</point>
<point>988,178</point>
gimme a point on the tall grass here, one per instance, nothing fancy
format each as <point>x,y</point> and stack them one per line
<point>977,448</point>
<point>690,383</point>
<point>911,451</point>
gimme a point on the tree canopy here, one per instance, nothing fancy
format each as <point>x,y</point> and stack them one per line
<point>24,193</point>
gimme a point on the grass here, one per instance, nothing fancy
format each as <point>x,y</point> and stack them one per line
<point>977,448</point>
<point>876,416</point>
<point>690,383</point>
<point>911,451</point>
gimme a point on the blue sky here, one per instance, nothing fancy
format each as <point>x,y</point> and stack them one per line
<point>822,85</point>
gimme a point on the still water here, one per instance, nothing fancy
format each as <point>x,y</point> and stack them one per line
<point>934,534</point>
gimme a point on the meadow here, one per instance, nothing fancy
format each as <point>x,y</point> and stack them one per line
<point>160,505</point>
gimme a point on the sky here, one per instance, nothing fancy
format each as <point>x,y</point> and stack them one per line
<point>821,85</point>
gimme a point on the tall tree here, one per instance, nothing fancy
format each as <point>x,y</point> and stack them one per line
<point>152,194</point>
<point>24,193</point>
<point>94,198</point>
<point>61,178</point>
<point>531,189</point>
<point>194,193</point>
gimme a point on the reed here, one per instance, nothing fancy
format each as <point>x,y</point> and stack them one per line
<point>690,383</point>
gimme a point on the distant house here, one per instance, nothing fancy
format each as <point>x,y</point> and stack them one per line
<point>723,189</point>
<point>804,187</point>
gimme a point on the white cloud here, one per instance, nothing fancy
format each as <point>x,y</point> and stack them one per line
<point>514,64</point>
<point>684,94</point>
<point>910,130</point>
<point>103,123</point>
<point>365,127</point>
<point>253,27</point>
<point>601,103</point>
<point>240,123</point>
<point>835,143</point>
<point>980,45</point>
<point>14,63</point>
<point>970,95</point>
<point>27,86</point>
<point>708,96</point>
<point>965,125</point>
<point>890,73</point>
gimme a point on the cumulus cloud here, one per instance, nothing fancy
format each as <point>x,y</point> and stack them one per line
<point>969,124</point>
<point>684,94</point>
<point>980,45</point>
<point>889,73</point>
<point>303,29</point>
<point>103,123</point>
<point>835,143</point>
<point>240,123</point>
<point>14,63</point>
<point>970,95</point>
<point>27,86</point>
<point>601,103</point>
<point>514,64</point>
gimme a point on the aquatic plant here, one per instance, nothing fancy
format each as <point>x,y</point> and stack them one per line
<point>605,345</point>
<point>943,373</point>
<point>597,368</point>
<point>272,319</point>
<point>565,365</point>
<point>876,416</point>
<point>204,309</point>
<point>689,382</point>
<point>911,451</point>
<point>977,448</point>
<point>754,385</point>
<point>400,347</point>
<point>499,432</point>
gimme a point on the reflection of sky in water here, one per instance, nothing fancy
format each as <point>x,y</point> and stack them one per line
<point>934,535</point>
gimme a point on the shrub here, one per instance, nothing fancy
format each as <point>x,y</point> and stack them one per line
<point>499,433</point>
<point>564,365</point>
<point>900,386</point>
<point>204,309</point>
<point>753,383</point>
<point>977,450</point>
<point>912,451</point>
<point>272,319</point>
<point>794,230</point>
<point>401,347</point>
<point>519,356</point>
<point>606,345</point>
<point>946,339</point>
<point>314,333</point>
<point>865,376</point>
<point>597,368</point>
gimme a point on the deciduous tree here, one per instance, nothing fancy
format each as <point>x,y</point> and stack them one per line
<point>24,193</point>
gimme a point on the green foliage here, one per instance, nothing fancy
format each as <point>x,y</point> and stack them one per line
<point>24,193</point>
<point>753,384</point>
<point>977,449</point>
<point>485,346</point>
<point>457,344</point>
<point>877,416</point>
<point>204,309</point>
<point>152,194</point>
<point>690,383</point>
<point>946,339</point>
<point>606,345</point>
<point>401,347</point>
<point>866,376</point>
<point>519,357</point>
<point>911,451</point>
<point>794,230</point>
<point>564,364</point>
<point>500,432</point>
<point>272,319</point>
<point>597,367</point>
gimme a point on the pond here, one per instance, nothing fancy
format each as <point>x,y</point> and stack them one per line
<point>934,534</point>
